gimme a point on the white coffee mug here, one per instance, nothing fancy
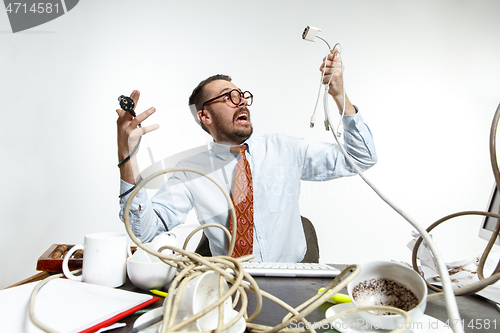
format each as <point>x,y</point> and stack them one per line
<point>407,281</point>
<point>104,259</point>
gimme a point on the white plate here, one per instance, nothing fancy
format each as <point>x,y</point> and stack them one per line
<point>353,323</point>
<point>239,327</point>
<point>147,317</point>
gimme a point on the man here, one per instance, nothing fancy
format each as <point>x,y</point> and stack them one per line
<point>270,167</point>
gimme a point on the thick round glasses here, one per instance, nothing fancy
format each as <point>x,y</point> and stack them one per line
<point>234,96</point>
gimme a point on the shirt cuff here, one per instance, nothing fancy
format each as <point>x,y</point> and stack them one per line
<point>125,187</point>
<point>136,208</point>
<point>353,122</point>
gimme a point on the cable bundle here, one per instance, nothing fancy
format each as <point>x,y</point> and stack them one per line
<point>193,265</point>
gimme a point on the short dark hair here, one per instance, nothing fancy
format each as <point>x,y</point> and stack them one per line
<point>198,96</point>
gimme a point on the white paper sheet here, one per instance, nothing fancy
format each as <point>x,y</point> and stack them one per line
<point>462,273</point>
<point>64,305</point>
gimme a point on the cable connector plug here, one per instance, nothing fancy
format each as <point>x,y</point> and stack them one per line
<point>313,120</point>
<point>327,125</point>
<point>310,33</point>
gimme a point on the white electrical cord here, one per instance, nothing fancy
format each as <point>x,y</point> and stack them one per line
<point>339,51</point>
<point>451,304</point>
<point>328,124</point>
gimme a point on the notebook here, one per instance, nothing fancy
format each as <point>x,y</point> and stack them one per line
<point>68,306</point>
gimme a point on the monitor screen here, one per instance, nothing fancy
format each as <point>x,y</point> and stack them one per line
<point>489,223</point>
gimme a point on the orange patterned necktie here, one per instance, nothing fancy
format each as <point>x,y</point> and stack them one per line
<point>243,205</point>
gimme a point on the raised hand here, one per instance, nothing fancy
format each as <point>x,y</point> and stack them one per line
<point>129,132</point>
<point>334,77</point>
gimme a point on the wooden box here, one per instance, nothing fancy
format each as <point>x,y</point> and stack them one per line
<point>47,263</point>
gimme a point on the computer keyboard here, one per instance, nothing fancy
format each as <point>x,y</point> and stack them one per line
<point>280,269</point>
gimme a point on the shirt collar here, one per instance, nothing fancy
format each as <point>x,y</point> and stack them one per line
<point>222,151</point>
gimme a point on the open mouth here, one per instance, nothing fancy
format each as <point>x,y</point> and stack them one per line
<point>243,118</point>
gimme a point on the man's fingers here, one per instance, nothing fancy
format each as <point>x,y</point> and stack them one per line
<point>329,67</point>
<point>143,116</point>
<point>330,61</point>
<point>135,97</point>
<point>322,64</point>
<point>150,128</point>
<point>140,131</point>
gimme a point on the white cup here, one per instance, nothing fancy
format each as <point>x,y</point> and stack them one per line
<point>197,295</point>
<point>104,259</point>
<point>372,295</point>
<point>149,275</point>
<point>147,271</point>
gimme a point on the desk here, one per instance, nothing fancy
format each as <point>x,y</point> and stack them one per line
<point>294,291</point>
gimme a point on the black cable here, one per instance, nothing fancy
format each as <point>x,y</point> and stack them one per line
<point>161,218</point>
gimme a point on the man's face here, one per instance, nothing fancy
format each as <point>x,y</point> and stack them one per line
<point>229,123</point>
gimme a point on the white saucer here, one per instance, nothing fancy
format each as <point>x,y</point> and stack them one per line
<point>353,323</point>
<point>239,327</point>
<point>147,317</point>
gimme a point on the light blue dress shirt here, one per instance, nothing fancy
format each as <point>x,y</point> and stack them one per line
<point>278,163</point>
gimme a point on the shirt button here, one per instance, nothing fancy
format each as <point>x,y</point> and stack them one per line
<point>137,219</point>
<point>137,195</point>
<point>260,237</point>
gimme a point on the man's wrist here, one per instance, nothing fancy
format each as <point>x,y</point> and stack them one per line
<point>123,153</point>
<point>348,109</point>
<point>129,171</point>
<point>123,160</point>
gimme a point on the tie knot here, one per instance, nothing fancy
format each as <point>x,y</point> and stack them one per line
<point>238,149</point>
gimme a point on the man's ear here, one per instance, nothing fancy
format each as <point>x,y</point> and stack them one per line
<point>204,117</point>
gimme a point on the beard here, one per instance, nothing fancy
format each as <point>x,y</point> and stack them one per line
<point>226,130</point>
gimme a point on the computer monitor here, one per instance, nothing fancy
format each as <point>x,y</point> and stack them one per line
<point>489,223</point>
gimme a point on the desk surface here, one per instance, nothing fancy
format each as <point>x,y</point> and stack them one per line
<point>474,311</point>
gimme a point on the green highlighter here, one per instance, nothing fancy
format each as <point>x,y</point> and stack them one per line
<point>337,298</point>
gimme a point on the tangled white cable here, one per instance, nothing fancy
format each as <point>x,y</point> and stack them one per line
<point>193,265</point>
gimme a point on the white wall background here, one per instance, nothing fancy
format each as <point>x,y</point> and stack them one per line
<point>425,75</point>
